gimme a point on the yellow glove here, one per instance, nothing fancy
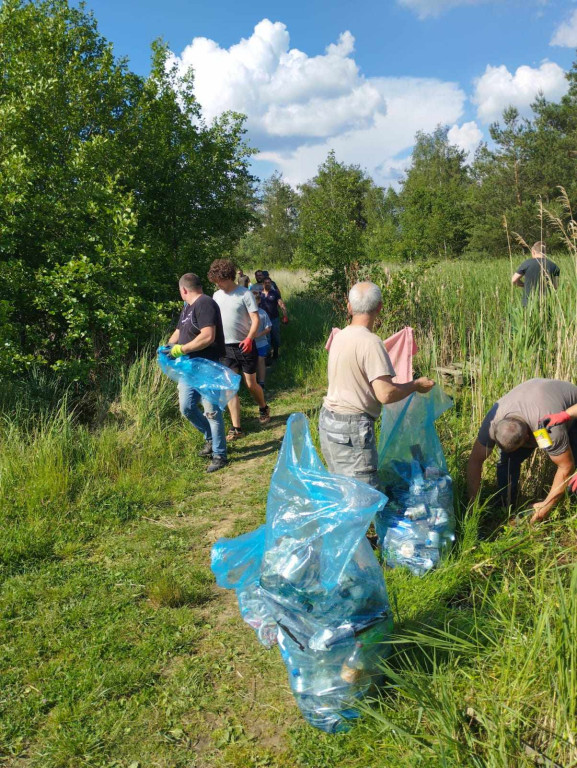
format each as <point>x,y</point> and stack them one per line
<point>176,351</point>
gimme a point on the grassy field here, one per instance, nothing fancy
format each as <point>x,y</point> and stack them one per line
<point>117,649</point>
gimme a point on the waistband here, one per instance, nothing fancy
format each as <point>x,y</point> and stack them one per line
<point>348,417</point>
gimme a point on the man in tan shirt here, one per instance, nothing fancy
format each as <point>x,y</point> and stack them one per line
<point>360,381</point>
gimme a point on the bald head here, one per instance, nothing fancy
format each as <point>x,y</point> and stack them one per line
<point>510,434</point>
<point>365,298</point>
<point>539,250</point>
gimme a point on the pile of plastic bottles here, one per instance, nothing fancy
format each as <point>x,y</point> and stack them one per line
<point>417,525</point>
<point>310,581</point>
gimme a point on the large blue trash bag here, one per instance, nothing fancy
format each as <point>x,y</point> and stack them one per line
<point>418,523</point>
<point>309,580</point>
<point>213,381</point>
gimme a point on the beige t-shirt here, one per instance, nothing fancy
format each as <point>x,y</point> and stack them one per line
<point>356,358</point>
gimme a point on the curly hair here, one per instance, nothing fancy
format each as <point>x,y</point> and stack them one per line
<point>222,269</point>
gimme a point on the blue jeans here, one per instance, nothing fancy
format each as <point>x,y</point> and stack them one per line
<point>275,335</point>
<point>210,423</point>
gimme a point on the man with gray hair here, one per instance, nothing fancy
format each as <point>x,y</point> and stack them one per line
<point>360,381</point>
<point>538,413</point>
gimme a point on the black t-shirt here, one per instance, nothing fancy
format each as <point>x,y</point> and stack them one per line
<point>270,303</point>
<point>193,318</point>
<point>537,273</point>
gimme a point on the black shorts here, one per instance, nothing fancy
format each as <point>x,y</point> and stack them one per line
<point>239,361</point>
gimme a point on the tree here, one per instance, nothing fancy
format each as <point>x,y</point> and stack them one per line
<point>432,201</point>
<point>332,223</point>
<point>112,187</point>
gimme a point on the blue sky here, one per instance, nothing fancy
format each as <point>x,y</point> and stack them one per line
<point>359,77</point>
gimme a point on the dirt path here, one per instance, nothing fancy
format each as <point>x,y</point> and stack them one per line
<point>247,706</point>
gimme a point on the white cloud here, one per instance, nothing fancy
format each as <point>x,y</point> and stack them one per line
<point>413,104</point>
<point>566,33</point>
<point>466,136</point>
<point>498,88</point>
<point>431,8</point>
<point>283,91</point>
<point>427,8</point>
<point>299,107</point>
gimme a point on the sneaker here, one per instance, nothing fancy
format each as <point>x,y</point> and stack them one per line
<point>218,462</point>
<point>264,415</point>
<point>206,449</point>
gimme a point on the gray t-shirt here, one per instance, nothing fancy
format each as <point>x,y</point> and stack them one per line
<point>234,311</point>
<point>537,274</point>
<point>531,402</point>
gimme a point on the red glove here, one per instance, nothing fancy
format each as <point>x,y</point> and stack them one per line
<point>554,419</point>
<point>246,345</point>
<point>572,484</point>
<point>285,319</point>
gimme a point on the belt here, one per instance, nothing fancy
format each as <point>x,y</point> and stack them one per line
<point>348,417</point>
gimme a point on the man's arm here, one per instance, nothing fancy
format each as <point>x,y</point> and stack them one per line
<point>175,337</point>
<point>387,392</point>
<point>565,464</point>
<point>254,322</point>
<point>477,458</point>
<point>282,306</point>
<point>517,280</point>
<point>204,339</point>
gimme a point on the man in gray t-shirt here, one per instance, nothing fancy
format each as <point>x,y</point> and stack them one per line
<point>537,274</point>
<point>538,413</point>
<point>240,323</point>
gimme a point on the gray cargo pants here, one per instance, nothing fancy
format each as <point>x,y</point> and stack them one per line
<point>349,446</point>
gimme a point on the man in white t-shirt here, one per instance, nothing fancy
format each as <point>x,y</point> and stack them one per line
<point>240,322</point>
<point>360,381</point>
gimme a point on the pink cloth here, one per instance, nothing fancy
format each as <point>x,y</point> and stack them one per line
<point>401,348</point>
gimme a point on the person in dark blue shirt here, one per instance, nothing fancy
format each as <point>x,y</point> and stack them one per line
<point>270,301</point>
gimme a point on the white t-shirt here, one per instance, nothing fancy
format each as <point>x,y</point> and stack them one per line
<point>356,358</point>
<point>234,311</point>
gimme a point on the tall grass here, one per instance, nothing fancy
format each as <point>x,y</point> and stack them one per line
<point>483,670</point>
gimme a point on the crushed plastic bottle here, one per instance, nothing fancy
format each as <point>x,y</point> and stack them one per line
<point>309,580</point>
<point>417,526</point>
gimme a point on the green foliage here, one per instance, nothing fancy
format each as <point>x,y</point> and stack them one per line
<point>332,222</point>
<point>273,239</point>
<point>112,187</point>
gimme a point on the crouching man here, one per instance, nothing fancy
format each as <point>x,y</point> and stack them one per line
<point>199,334</point>
<point>360,381</point>
<point>515,424</point>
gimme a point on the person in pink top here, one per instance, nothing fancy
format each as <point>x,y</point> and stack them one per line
<point>360,382</point>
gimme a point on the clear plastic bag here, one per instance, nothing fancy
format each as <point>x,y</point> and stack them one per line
<point>418,524</point>
<point>213,381</point>
<point>309,580</point>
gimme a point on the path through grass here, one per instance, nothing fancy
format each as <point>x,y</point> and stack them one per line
<point>118,651</point>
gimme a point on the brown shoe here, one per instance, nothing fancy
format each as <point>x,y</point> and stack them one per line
<point>233,434</point>
<point>264,415</point>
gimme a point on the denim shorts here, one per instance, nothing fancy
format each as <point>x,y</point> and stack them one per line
<point>263,351</point>
<point>349,445</point>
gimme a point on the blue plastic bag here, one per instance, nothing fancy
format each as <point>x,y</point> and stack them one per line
<point>418,524</point>
<point>213,381</point>
<point>309,580</point>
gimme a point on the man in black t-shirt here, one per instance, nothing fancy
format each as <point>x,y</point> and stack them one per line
<point>199,334</point>
<point>537,273</point>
